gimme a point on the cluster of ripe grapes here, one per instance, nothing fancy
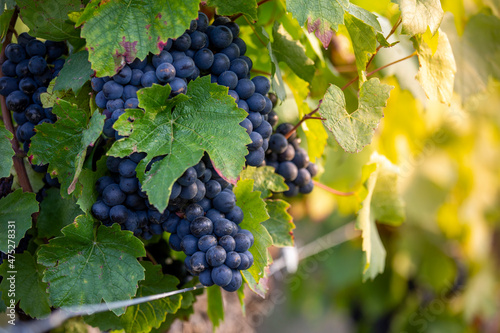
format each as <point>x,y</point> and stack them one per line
<point>203,49</point>
<point>30,66</point>
<point>202,218</point>
<point>290,160</point>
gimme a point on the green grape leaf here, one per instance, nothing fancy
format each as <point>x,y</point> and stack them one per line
<point>7,5</point>
<point>277,84</point>
<point>30,290</point>
<point>364,15</point>
<point>56,213</point>
<point>203,120</point>
<point>120,31</point>
<point>230,7</point>
<point>48,19</point>
<point>64,144</point>
<point>5,18</point>
<point>383,204</point>
<point>215,305</point>
<point>280,224</point>
<point>265,180</point>
<point>354,131</point>
<point>321,15</point>
<point>17,207</point>
<point>86,266</point>
<point>292,53</point>
<point>254,211</point>
<point>143,317</point>
<point>437,69</point>
<point>75,73</point>
<point>85,190</point>
<point>52,97</point>
<point>6,152</point>
<point>417,15</point>
<point>364,42</point>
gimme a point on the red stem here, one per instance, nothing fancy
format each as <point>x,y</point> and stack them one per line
<point>307,116</point>
<point>7,119</point>
<point>331,190</point>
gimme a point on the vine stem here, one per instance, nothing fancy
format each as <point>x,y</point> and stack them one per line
<point>255,32</point>
<point>306,117</point>
<point>17,158</point>
<point>331,190</point>
<point>393,30</point>
<point>234,17</point>
<point>378,69</point>
<point>258,71</point>
<point>151,258</point>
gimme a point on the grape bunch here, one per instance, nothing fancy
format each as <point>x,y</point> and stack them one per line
<point>202,218</point>
<point>30,66</point>
<point>203,49</point>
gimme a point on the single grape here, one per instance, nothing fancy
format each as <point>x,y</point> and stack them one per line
<point>189,244</point>
<point>201,226</point>
<point>221,37</point>
<point>206,242</point>
<point>235,283</point>
<point>112,195</point>
<point>216,256</point>
<point>198,262</point>
<point>100,210</point>
<point>227,242</point>
<point>222,275</point>
<point>118,214</point>
<point>165,72</point>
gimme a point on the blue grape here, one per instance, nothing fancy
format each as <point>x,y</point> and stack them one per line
<point>97,83</point>
<point>17,101</point>
<point>127,168</point>
<point>149,78</point>
<point>178,86</point>
<point>213,188</point>
<point>165,72</point>
<point>193,211</point>
<point>201,226</point>
<point>163,57</point>
<point>175,242</point>
<point>8,85</point>
<point>36,48</point>
<point>118,214</point>
<point>301,159</point>
<point>204,59</point>
<point>278,143</point>
<point>114,104</point>
<point>255,118</point>
<point>34,113</point>
<point>199,40</point>
<point>248,61</point>
<point>288,170</point>
<point>138,63</point>
<point>234,27</point>
<point>206,278</point>
<point>265,130</point>
<point>245,262</point>
<point>189,244</point>
<point>100,100</point>
<point>233,260</point>
<point>228,79</point>
<point>15,53</point>
<point>170,225</point>
<point>137,74</point>
<point>202,22</point>
<point>135,201</point>
<point>235,283</point>
<point>256,102</point>
<point>214,215</point>
<point>240,67</point>
<point>248,234</point>
<point>247,125</point>
<point>216,256</point>
<point>220,64</point>
<point>188,177</point>
<point>37,65</point>
<point>232,51</point>
<point>183,228</point>
<point>288,154</point>
<point>182,43</point>
<point>129,185</point>
<point>256,141</point>
<point>124,75</point>
<point>235,215</point>
<point>112,195</point>
<point>241,45</point>
<point>55,49</point>
<point>154,216</point>
<point>306,189</point>
<point>112,90</point>
<point>184,67</point>
<point>129,91</point>
<point>206,242</point>
<point>176,190</point>
<point>227,242</point>
<point>131,103</point>
<point>262,84</point>
<point>222,275</point>
<point>242,241</point>
<point>9,68</point>
<point>245,88</point>
<point>20,118</point>
<point>221,37</point>
<point>255,157</point>
<point>224,202</point>
<point>198,262</point>
<point>222,227</point>
<point>100,210</point>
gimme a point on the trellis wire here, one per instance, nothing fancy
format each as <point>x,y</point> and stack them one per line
<point>58,317</point>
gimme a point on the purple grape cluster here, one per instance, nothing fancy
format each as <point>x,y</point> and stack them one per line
<point>203,49</point>
<point>202,218</point>
<point>30,66</point>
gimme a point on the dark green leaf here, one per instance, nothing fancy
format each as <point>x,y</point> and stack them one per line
<point>30,290</point>
<point>277,84</point>
<point>56,213</point>
<point>6,152</point>
<point>280,224</point>
<point>354,131</point>
<point>75,73</point>
<point>364,41</point>
<point>86,266</point>
<point>230,7</point>
<point>265,180</point>
<point>254,210</point>
<point>5,18</point>
<point>120,31</point>
<point>17,207</point>
<point>64,144</point>
<point>48,19</point>
<point>292,53</point>
<point>417,15</point>
<point>7,5</point>
<point>202,121</point>
<point>85,189</point>
<point>145,316</point>
<point>215,305</point>
<point>321,15</point>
